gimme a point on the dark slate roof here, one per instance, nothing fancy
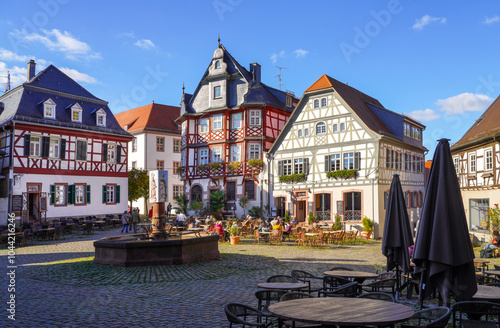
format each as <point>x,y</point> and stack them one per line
<point>394,121</point>
<point>259,95</point>
<point>486,126</point>
<point>25,103</point>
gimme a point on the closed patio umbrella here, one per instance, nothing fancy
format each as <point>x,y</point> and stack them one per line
<point>443,254</point>
<point>397,231</point>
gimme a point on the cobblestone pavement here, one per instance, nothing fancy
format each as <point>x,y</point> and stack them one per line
<point>57,285</point>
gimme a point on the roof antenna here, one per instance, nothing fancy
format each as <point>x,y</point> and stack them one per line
<point>218,40</point>
<point>279,76</point>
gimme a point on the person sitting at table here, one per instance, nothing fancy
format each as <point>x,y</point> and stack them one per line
<point>196,223</point>
<point>294,221</point>
<point>266,225</point>
<point>181,218</point>
<point>219,229</point>
<point>276,225</point>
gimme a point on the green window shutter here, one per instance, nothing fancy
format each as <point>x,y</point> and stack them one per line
<point>52,194</point>
<point>105,152</point>
<point>104,194</point>
<point>62,149</point>
<point>71,194</point>
<point>27,142</point>
<point>45,146</point>
<point>118,154</point>
<point>117,194</point>
<point>87,197</point>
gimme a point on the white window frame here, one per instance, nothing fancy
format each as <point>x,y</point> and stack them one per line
<point>217,64</point>
<point>60,194</point>
<point>217,154</point>
<point>100,118</point>
<point>288,101</point>
<point>342,126</point>
<point>76,109</point>
<point>183,158</point>
<point>322,126</point>
<point>323,102</point>
<point>316,103</point>
<point>110,194</point>
<point>217,122</point>
<point>299,133</point>
<point>177,190</point>
<point>134,164</point>
<point>335,163</point>
<point>175,166</point>
<point>488,159</point>
<point>235,153</point>
<point>49,109</point>
<point>203,125</point>
<point>472,163</point>
<point>255,117</point>
<point>80,190</point>
<point>236,121</point>
<point>306,132</point>
<point>203,159</point>
<point>176,145</point>
<point>217,92</point>
<point>349,158</point>
<point>54,148</point>
<point>111,155</point>
<point>35,145</point>
<point>287,167</point>
<point>134,145</point>
<point>298,165</point>
<point>254,150</point>
<point>335,128</point>
<point>162,144</point>
<point>160,164</point>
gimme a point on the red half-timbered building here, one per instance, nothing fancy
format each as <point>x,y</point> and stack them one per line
<point>62,152</point>
<point>228,123</point>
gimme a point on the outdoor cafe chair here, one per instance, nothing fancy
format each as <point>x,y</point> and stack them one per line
<point>307,278</point>
<point>301,239</point>
<point>482,279</point>
<point>476,314</point>
<point>276,236</point>
<point>241,314</point>
<point>494,284</point>
<point>295,296</point>
<point>340,269</point>
<point>258,237</point>
<point>436,317</point>
<point>282,278</point>
<point>347,290</point>
<point>385,285</point>
<point>267,297</point>
<point>332,282</point>
<point>378,296</point>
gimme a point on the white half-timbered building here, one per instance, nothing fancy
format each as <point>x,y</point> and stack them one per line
<point>227,124</point>
<point>477,163</point>
<point>62,151</point>
<point>340,132</point>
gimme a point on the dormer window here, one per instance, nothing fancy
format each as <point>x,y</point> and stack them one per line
<point>49,109</point>
<point>76,113</point>
<point>288,101</point>
<point>217,64</point>
<point>217,93</point>
<point>101,117</point>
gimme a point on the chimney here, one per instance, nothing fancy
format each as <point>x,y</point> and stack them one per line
<point>31,70</point>
<point>255,71</point>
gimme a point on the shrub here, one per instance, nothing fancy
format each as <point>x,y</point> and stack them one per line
<point>255,163</point>
<point>367,224</point>
<point>254,211</point>
<point>343,174</point>
<point>297,177</point>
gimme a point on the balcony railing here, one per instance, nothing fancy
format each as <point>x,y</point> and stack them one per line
<point>201,171</point>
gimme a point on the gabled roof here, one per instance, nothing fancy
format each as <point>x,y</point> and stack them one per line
<point>488,125</point>
<point>153,117</point>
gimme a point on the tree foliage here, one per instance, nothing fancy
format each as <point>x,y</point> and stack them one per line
<point>181,202</point>
<point>138,185</point>
<point>217,201</point>
<point>243,202</point>
<point>254,211</point>
<point>196,206</point>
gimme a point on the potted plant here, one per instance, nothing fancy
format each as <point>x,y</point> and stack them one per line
<point>255,163</point>
<point>234,234</point>
<point>233,167</point>
<point>367,227</point>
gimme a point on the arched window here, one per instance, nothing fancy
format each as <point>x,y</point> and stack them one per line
<point>323,102</point>
<point>321,128</point>
<point>217,64</point>
<point>335,128</point>
<point>342,126</point>
<point>196,193</point>
<point>316,103</point>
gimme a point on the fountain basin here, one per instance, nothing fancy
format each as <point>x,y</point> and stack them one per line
<point>136,250</point>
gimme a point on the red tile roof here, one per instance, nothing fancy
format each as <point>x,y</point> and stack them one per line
<point>153,118</point>
<point>487,125</point>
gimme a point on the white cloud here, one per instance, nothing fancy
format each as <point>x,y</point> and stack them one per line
<point>10,56</point>
<point>426,20</point>
<point>145,44</point>
<point>464,102</point>
<point>491,20</point>
<point>78,76</point>
<point>127,35</point>
<point>61,41</point>
<point>17,75</point>
<point>300,53</point>
<point>424,115</point>
<point>274,57</point>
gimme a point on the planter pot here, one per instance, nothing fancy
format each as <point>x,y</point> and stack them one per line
<point>235,240</point>
<point>367,234</point>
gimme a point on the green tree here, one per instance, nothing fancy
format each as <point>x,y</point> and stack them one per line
<point>182,202</point>
<point>196,206</point>
<point>254,211</point>
<point>243,202</point>
<point>138,185</point>
<point>217,201</point>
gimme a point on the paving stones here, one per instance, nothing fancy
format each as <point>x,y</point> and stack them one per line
<point>57,285</point>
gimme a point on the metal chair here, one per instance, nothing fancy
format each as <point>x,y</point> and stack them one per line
<point>267,297</point>
<point>476,314</point>
<point>282,278</point>
<point>332,282</point>
<point>430,318</point>
<point>340,269</point>
<point>241,314</point>
<point>347,290</point>
<point>295,296</point>
<point>378,296</point>
<point>385,285</point>
<point>482,279</point>
<point>307,278</point>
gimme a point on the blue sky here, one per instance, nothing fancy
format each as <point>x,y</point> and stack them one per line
<point>436,61</point>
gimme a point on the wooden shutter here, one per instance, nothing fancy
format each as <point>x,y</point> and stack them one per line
<point>357,161</point>
<point>62,149</point>
<point>117,198</point>
<point>118,154</point>
<point>27,143</point>
<point>45,146</point>
<point>306,166</point>
<point>52,194</point>
<point>280,168</point>
<point>104,152</point>
<point>104,194</point>
<point>71,194</point>
<point>328,163</point>
<point>87,196</point>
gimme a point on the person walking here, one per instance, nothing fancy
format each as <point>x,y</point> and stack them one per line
<point>169,208</point>
<point>135,220</point>
<point>125,221</point>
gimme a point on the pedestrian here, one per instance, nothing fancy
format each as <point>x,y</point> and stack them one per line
<point>135,219</point>
<point>169,208</point>
<point>180,219</point>
<point>125,221</point>
<point>150,214</point>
